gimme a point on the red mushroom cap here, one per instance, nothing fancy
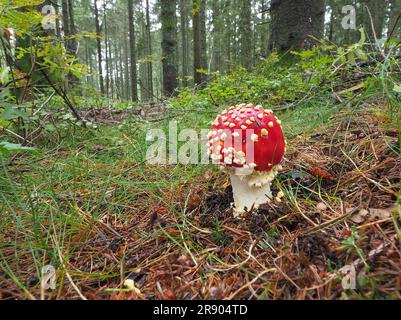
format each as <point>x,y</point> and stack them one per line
<point>259,129</point>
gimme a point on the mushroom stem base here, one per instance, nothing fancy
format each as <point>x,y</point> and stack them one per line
<point>247,196</point>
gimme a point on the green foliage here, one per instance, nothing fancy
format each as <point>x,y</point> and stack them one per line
<point>351,245</point>
<point>20,21</point>
<point>7,148</point>
<point>284,79</point>
<point>13,113</point>
<point>353,52</point>
<point>275,81</point>
<point>41,61</point>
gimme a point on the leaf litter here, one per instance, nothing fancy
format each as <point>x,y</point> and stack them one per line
<point>333,235</point>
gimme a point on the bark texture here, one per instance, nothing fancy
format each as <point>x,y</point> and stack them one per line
<point>199,36</point>
<point>295,23</point>
<point>133,70</point>
<point>99,47</point>
<point>169,46</point>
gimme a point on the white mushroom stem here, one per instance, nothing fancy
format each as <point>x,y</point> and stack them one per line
<point>251,190</point>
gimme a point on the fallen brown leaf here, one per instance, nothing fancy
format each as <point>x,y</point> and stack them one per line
<point>321,173</point>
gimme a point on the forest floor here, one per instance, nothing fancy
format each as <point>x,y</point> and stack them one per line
<point>94,210</point>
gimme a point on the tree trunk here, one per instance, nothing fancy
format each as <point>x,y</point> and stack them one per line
<point>91,66</point>
<point>295,23</point>
<point>197,43</point>
<point>126,65</point>
<point>203,39</point>
<point>70,31</point>
<point>58,29</point>
<point>107,49</point>
<point>117,71</point>
<point>331,27</point>
<point>110,61</point>
<point>149,52</point>
<point>143,67</point>
<point>263,29</point>
<point>134,79</point>
<point>66,17</point>
<point>72,44</point>
<point>245,36</point>
<point>394,26</point>
<point>99,47</point>
<point>227,43</point>
<point>184,41</point>
<point>199,27</point>
<point>121,68</point>
<point>169,46</point>
<point>217,62</point>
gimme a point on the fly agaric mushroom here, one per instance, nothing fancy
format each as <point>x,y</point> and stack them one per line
<point>248,142</point>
